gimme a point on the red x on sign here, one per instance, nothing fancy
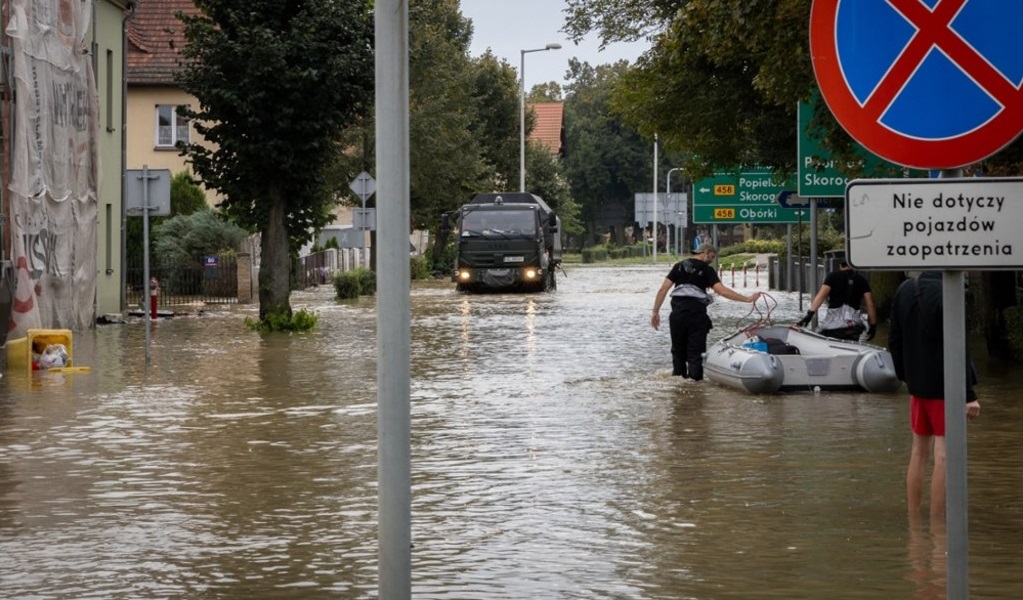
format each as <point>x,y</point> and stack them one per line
<point>931,84</point>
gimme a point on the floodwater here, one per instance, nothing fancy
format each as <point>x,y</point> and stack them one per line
<point>553,456</point>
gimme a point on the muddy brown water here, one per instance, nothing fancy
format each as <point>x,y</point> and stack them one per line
<point>553,456</point>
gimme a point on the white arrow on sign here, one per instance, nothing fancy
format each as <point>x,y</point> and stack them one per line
<point>704,190</point>
<point>363,185</point>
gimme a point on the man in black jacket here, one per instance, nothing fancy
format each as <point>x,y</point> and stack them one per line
<point>845,291</point>
<point>916,341</point>
<point>689,324</point>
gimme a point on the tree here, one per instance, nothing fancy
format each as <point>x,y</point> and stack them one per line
<point>276,83</point>
<point>607,161</point>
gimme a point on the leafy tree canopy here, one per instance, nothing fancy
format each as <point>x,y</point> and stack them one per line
<point>722,79</point>
<point>276,83</point>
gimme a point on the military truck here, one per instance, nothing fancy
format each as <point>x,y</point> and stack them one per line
<point>506,241</point>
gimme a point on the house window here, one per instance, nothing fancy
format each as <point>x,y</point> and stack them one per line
<point>171,128</point>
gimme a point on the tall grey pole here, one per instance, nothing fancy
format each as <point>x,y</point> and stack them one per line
<point>145,263</point>
<point>522,110</point>
<point>522,120</point>
<point>394,499</point>
<point>655,199</point>
<point>812,288</point>
<point>789,263</point>
<point>667,200</point>
<point>956,505</point>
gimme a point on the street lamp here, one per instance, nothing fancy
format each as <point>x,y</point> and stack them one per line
<point>522,110</point>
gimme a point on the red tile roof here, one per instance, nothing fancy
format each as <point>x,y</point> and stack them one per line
<point>154,40</point>
<point>549,125</point>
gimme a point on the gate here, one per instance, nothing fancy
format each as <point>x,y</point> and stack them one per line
<point>202,280</point>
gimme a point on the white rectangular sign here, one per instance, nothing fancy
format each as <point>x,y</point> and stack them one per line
<point>671,208</point>
<point>954,224</point>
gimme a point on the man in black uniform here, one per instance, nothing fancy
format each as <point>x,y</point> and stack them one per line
<point>689,323</point>
<point>845,290</point>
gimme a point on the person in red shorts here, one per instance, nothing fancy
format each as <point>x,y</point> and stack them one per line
<point>916,341</point>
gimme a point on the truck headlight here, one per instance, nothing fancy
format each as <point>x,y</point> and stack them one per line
<point>530,273</point>
<point>464,275</point>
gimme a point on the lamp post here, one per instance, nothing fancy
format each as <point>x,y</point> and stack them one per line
<point>667,191</point>
<point>655,199</point>
<point>522,110</point>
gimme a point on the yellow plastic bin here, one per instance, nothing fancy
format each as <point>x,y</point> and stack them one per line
<point>19,351</point>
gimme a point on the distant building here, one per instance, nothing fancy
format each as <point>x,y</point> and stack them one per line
<point>155,38</point>
<point>549,126</point>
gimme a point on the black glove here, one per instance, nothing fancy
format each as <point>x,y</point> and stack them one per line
<point>871,332</point>
<point>806,320</point>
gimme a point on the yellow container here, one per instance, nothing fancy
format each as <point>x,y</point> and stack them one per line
<point>20,351</point>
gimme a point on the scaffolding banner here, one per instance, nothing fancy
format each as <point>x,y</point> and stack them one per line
<point>54,166</point>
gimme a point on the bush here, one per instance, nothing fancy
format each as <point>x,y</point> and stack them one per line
<point>367,281</point>
<point>419,267</point>
<point>594,254</point>
<point>300,320</point>
<point>347,285</point>
<point>355,283</point>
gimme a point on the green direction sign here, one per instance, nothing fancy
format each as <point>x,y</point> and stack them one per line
<point>741,197</point>
<point>818,174</point>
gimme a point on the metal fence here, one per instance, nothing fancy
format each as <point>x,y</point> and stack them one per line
<point>202,280</point>
<point>319,268</point>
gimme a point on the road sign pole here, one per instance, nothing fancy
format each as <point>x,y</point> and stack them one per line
<point>812,288</point>
<point>655,199</point>
<point>394,488</point>
<point>956,504</point>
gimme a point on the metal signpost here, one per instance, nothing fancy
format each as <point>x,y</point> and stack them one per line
<point>364,219</point>
<point>147,193</point>
<point>938,88</point>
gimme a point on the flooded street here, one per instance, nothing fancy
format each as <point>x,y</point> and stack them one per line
<point>553,456</point>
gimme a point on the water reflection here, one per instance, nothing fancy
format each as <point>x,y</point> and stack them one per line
<point>553,457</point>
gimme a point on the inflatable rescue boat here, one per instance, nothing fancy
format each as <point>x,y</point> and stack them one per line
<point>773,358</point>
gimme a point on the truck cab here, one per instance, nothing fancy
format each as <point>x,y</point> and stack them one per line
<point>506,242</point>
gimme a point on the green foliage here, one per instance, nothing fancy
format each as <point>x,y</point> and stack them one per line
<point>181,238</point>
<point>367,281</point>
<point>755,246</point>
<point>300,320</point>
<point>347,285</point>
<point>419,267</point>
<point>607,161</point>
<point>186,196</point>
<point>594,254</point>
<point>276,83</point>
<point>357,282</point>
<point>545,179</point>
<point>545,92</point>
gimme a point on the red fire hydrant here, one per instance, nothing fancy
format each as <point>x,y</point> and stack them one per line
<point>154,293</point>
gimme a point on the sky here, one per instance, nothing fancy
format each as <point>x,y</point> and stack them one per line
<point>509,26</point>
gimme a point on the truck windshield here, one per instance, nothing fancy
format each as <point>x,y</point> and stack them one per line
<point>499,223</point>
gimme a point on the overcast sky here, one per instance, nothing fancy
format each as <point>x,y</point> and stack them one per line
<point>508,26</point>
